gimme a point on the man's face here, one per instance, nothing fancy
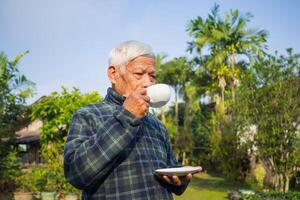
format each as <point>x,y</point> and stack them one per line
<point>139,72</point>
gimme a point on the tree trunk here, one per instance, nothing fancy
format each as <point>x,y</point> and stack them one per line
<point>234,80</point>
<point>187,143</point>
<point>276,182</point>
<point>222,85</point>
<point>183,158</point>
<point>281,183</point>
<point>252,159</point>
<point>162,114</point>
<point>176,118</point>
<point>177,156</point>
<point>233,93</point>
<point>286,183</point>
<point>187,123</point>
<point>270,177</point>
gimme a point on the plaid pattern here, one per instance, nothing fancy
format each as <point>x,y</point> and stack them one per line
<point>111,155</point>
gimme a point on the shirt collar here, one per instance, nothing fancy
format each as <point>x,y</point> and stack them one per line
<point>114,97</point>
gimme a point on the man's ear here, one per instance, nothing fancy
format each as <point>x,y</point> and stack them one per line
<point>113,74</point>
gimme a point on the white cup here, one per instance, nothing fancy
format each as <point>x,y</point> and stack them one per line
<point>159,95</point>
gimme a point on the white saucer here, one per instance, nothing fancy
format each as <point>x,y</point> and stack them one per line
<point>178,171</point>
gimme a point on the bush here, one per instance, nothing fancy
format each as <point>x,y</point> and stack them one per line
<point>273,196</point>
<point>51,179</point>
<point>24,182</point>
<point>44,180</point>
<point>9,169</point>
<point>260,174</point>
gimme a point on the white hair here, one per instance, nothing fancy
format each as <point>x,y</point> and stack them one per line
<point>121,55</point>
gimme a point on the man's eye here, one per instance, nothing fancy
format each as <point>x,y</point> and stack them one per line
<point>138,75</point>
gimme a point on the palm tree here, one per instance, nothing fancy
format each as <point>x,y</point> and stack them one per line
<point>15,88</point>
<point>222,47</point>
<point>226,39</point>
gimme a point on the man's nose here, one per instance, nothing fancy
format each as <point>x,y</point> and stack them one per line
<point>147,81</point>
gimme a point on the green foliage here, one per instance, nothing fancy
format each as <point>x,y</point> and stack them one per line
<point>269,102</point>
<point>40,178</point>
<point>201,129</point>
<point>226,39</point>
<point>46,179</point>
<point>25,182</point>
<point>178,73</point>
<point>10,168</point>
<point>14,89</point>
<point>230,152</point>
<point>56,112</point>
<point>276,114</point>
<point>273,195</point>
<point>260,174</point>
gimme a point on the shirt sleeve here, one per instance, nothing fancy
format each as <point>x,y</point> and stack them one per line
<point>88,155</point>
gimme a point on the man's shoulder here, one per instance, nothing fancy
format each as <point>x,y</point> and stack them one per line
<point>98,109</point>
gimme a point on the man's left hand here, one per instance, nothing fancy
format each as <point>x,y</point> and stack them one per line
<point>177,180</point>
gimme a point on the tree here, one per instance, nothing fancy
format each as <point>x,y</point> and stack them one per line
<point>179,73</point>
<point>225,39</point>
<point>269,103</point>
<point>198,152</point>
<point>275,104</point>
<point>218,45</point>
<point>15,88</point>
<point>56,112</point>
<point>168,73</point>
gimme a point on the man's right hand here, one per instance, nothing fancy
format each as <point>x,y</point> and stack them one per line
<point>138,103</point>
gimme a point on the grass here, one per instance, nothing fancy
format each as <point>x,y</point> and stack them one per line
<point>204,186</point>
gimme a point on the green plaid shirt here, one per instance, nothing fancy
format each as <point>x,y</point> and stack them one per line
<point>111,154</point>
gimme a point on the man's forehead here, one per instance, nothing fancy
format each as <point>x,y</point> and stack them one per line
<point>142,62</point>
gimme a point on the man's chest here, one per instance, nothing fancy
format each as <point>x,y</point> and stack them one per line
<point>149,145</point>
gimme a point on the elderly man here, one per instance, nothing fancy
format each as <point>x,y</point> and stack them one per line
<point>113,147</point>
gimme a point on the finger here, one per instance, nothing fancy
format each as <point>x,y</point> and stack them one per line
<point>189,177</point>
<point>141,102</point>
<point>176,180</point>
<point>147,105</point>
<point>167,179</point>
<point>144,105</point>
<point>147,98</point>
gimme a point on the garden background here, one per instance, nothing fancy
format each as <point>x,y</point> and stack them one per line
<point>233,68</point>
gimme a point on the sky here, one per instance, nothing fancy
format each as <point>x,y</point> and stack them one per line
<point>69,40</point>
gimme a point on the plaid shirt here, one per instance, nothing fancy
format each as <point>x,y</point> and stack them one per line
<point>111,154</point>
